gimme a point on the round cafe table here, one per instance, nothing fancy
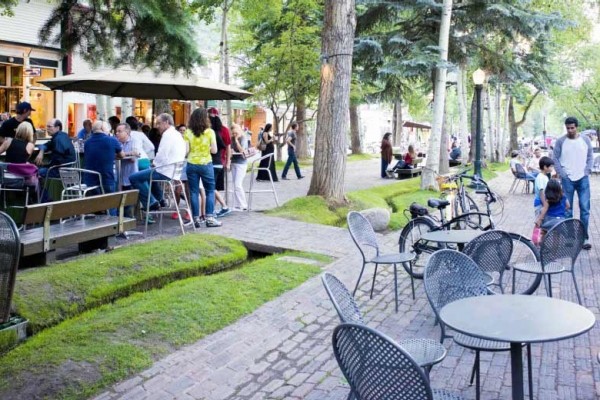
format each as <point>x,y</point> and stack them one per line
<point>517,319</point>
<point>458,236</point>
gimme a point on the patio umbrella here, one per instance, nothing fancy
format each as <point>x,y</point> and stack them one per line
<point>146,85</point>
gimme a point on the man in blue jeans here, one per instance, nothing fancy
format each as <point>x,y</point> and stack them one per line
<point>291,142</point>
<point>573,159</point>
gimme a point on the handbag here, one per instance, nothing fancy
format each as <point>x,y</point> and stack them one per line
<point>262,146</point>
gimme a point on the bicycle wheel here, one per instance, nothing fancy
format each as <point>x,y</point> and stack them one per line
<point>410,242</point>
<point>524,251</point>
<point>473,221</point>
<point>465,205</point>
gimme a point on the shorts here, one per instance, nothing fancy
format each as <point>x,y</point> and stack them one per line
<point>550,222</point>
<point>219,179</point>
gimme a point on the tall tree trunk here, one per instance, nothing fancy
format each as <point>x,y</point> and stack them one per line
<point>514,139</point>
<point>101,110</point>
<point>355,130</point>
<point>444,160</point>
<point>473,127</point>
<point>506,124</point>
<point>433,153</point>
<point>463,129</point>
<point>162,106</point>
<point>490,126</point>
<point>337,35</point>
<point>225,58</point>
<point>499,131</point>
<point>398,122</point>
<point>302,138</point>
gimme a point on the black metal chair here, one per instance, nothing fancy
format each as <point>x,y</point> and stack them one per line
<point>559,250</point>
<point>365,239</point>
<point>378,368</point>
<point>10,248</point>
<point>521,175</point>
<point>450,276</point>
<point>425,352</point>
<point>491,251</point>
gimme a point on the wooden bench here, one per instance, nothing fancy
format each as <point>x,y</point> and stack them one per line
<point>88,234</point>
<point>408,173</point>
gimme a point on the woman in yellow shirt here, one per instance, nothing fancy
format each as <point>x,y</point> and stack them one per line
<point>202,143</point>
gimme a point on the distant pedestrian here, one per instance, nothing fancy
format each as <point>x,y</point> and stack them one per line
<point>573,160</point>
<point>221,160</point>
<point>386,154</point>
<point>238,167</point>
<point>290,139</point>
<point>113,121</point>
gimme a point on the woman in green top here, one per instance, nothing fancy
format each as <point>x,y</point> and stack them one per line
<point>202,143</point>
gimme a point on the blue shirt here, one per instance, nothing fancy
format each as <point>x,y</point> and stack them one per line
<point>83,134</point>
<point>61,147</point>
<point>100,150</point>
<point>129,166</point>
<point>558,209</point>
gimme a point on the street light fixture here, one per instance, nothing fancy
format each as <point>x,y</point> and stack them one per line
<point>478,80</point>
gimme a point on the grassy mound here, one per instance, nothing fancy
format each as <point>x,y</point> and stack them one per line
<point>49,295</point>
<point>85,354</point>
<point>396,197</point>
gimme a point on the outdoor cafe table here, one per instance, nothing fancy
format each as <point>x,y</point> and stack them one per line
<point>458,236</point>
<point>517,319</point>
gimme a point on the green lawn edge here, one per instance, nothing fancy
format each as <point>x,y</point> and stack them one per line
<point>48,295</point>
<point>396,197</point>
<point>83,355</point>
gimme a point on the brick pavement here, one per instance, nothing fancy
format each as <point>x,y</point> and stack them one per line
<point>283,349</point>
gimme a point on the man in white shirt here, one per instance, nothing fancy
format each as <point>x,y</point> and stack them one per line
<point>142,143</point>
<point>573,159</point>
<point>172,150</point>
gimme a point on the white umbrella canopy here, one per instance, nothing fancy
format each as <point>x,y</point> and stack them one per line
<point>146,85</point>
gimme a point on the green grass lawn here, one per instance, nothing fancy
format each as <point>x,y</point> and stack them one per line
<point>396,197</point>
<point>48,295</point>
<point>85,354</point>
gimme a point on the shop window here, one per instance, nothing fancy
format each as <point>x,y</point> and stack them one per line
<point>43,103</point>
<point>2,75</point>
<point>47,73</point>
<point>16,76</point>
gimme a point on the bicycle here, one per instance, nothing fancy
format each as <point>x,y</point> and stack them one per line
<point>421,222</point>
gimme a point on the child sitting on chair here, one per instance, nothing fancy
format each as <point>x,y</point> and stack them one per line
<point>555,205</point>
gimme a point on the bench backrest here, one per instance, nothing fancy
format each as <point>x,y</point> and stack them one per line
<point>39,213</point>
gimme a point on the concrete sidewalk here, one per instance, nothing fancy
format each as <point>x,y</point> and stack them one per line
<point>283,349</point>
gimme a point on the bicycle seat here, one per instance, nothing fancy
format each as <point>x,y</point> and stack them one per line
<point>438,203</point>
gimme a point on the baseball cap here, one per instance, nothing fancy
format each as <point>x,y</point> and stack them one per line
<point>24,107</point>
<point>213,111</point>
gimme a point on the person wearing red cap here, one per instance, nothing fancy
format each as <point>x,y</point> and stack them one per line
<point>9,127</point>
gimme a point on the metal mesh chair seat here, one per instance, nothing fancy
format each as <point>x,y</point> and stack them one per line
<point>365,239</point>
<point>474,343</point>
<point>378,368</point>
<point>393,258</point>
<point>536,268</point>
<point>445,395</point>
<point>425,352</point>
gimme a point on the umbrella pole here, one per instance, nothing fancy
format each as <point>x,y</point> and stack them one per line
<point>152,115</point>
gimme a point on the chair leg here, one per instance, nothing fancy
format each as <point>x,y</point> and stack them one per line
<point>529,372</point>
<point>478,377</point>
<point>514,280</point>
<point>373,284</point>
<point>412,279</point>
<point>576,287</point>
<point>358,281</point>
<point>549,285</point>
<point>396,285</point>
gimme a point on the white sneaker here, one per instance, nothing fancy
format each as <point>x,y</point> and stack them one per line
<point>211,222</point>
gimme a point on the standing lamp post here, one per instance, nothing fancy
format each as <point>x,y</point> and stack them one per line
<point>478,79</point>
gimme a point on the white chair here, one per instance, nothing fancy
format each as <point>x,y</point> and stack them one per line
<point>73,186</point>
<point>169,187</point>
<point>254,168</point>
<point>596,165</point>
